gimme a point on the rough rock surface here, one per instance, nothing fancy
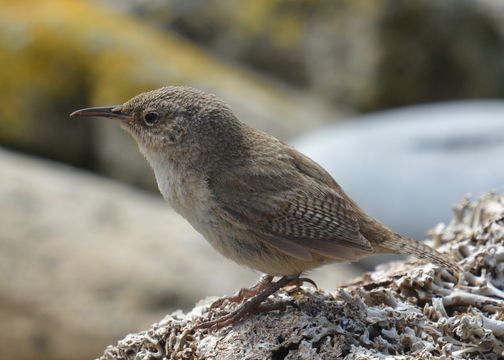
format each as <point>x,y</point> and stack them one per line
<point>84,260</point>
<point>403,310</point>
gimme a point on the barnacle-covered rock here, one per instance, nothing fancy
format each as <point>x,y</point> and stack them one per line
<point>403,310</point>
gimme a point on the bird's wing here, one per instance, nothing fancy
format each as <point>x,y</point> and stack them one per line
<point>296,216</point>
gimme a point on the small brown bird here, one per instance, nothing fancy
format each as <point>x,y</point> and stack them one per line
<point>255,199</point>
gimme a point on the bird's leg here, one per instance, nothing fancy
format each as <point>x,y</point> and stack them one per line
<point>256,295</point>
<point>263,283</point>
<point>252,306</point>
<point>244,293</point>
<point>262,289</point>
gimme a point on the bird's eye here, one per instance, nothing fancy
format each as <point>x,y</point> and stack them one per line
<point>151,118</point>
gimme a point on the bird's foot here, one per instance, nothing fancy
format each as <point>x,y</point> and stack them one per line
<point>247,309</point>
<point>262,284</point>
<point>260,292</point>
<point>245,293</point>
<point>300,281</point>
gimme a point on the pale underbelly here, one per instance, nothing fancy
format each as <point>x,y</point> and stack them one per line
<point>247,249</point>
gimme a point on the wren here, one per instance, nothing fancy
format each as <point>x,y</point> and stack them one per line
<point>255,199</point>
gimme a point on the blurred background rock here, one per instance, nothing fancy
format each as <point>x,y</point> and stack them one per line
<point>85,259</point>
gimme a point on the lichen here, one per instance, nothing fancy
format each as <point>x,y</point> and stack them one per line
<point>403,310</point>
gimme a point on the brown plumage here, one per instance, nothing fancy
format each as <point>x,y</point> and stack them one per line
<point>256,199</point>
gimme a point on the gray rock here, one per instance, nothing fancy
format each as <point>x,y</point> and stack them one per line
<point>407,166</point>
<point>84,260</point>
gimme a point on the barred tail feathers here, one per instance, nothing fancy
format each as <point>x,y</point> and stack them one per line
<point>405,245</point>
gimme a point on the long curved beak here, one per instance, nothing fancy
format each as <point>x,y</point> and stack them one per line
<point>112,112</point>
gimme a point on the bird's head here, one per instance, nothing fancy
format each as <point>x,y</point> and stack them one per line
<point>172,120</point>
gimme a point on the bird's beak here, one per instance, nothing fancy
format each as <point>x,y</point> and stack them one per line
<point>112,112</point>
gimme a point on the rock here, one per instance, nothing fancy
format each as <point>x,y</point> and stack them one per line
<point>366,55</point>
<point>406,167</point>
<point>61,55</point>
<point>85,260</point>
<point>404,310</point>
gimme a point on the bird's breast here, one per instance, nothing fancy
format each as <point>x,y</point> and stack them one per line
<point>187,192</point>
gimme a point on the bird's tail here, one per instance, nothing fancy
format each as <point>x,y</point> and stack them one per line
<point>404,245</point>
<point>384,240</point>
